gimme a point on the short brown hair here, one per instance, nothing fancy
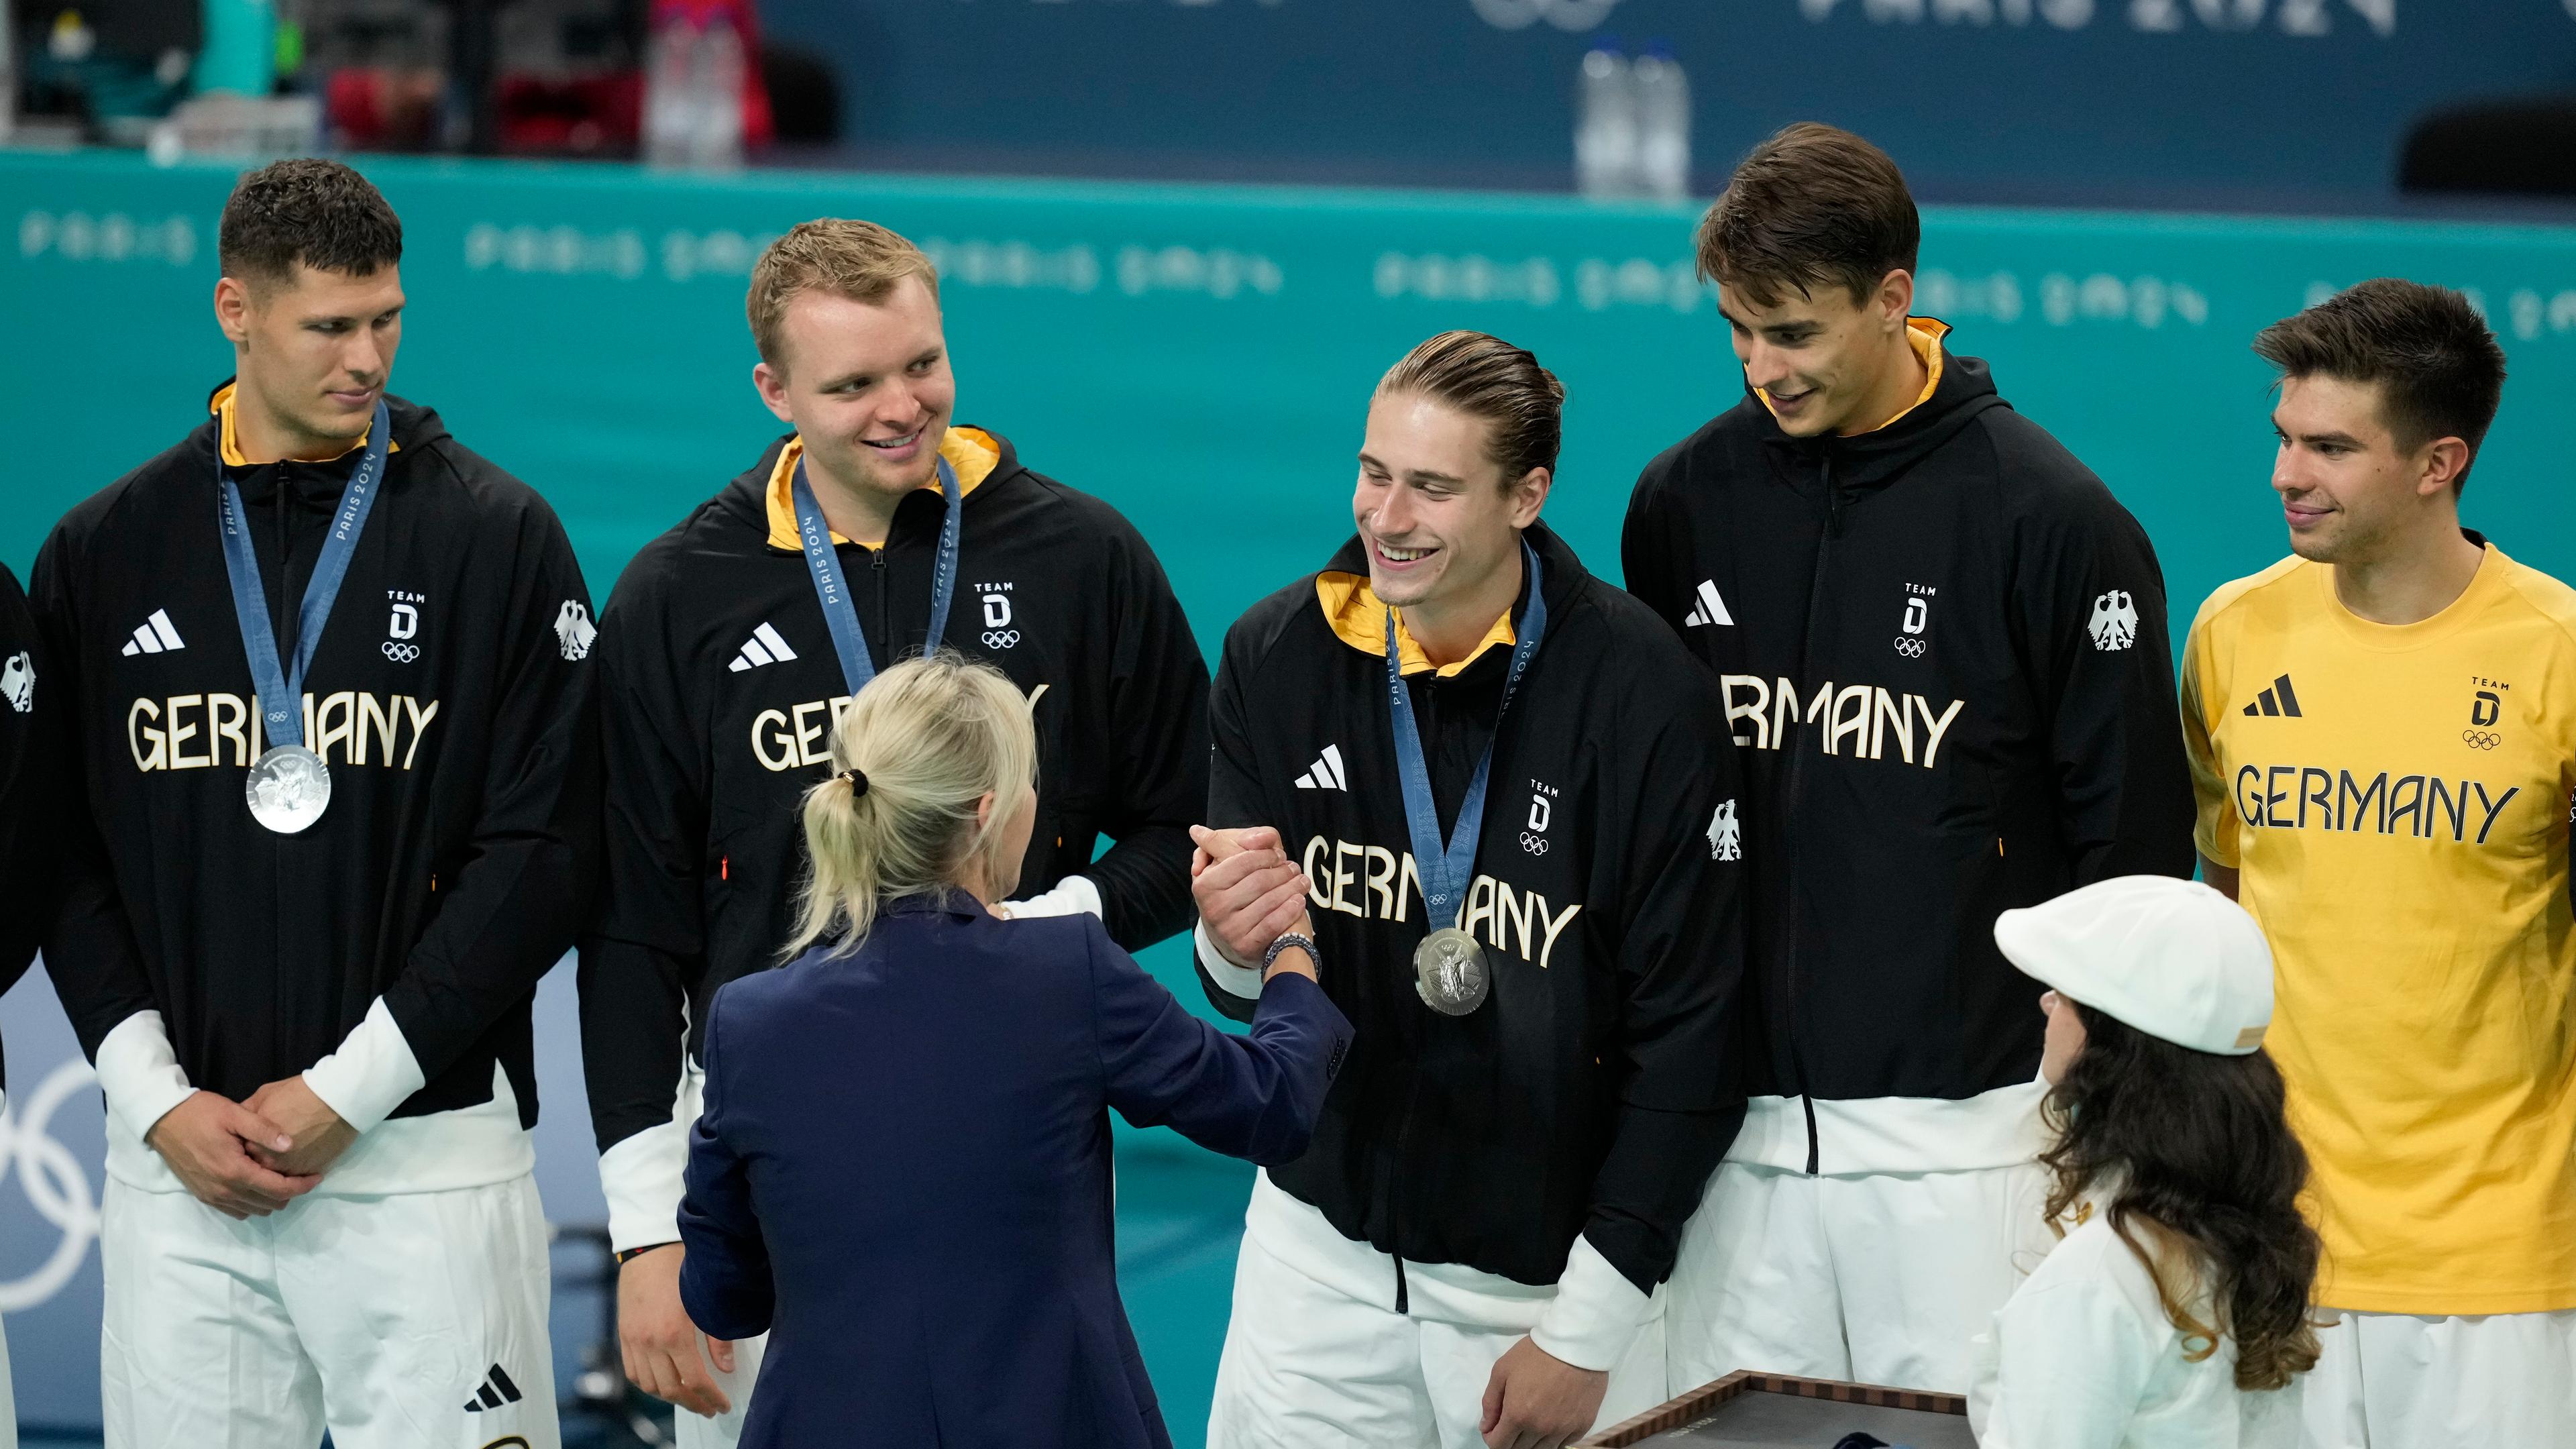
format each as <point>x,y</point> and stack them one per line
<point>1812,205</point>
<point>308,210</point>
<point>2439,368</point>
<point>1485,377</point>
<point>859,260</point>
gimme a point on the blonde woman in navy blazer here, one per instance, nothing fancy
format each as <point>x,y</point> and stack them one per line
<point>902,1170</point>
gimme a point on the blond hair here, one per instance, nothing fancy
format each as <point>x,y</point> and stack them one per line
<point>1485,377</point>
<point>859,260</point>
<point>931,738</point>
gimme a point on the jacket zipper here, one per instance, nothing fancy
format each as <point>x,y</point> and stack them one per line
<point>1797,777</point>
<point>885,621</point>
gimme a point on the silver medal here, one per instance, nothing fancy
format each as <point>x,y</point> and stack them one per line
<point>289,788</point>
<point>1449,972</point>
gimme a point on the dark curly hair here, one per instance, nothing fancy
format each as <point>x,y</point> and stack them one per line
<point>2204,1160</point>
<point>307,210</point>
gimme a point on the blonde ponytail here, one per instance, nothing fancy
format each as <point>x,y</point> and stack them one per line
<point>915,752</point>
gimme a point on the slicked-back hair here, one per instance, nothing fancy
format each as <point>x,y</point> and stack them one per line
<point>308,210</point>
<point>859,260</point>
<point>2438,366</point>
<point>1485,377</point>
<point>1813,206</point>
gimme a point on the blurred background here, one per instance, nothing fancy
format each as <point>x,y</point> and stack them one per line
<point>1180,239</point>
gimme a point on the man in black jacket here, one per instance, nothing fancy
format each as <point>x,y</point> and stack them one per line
<point>1941,644</point>
<point>874,530</point>
<point>31,767</point>
<point>1515,809</point>
<point>325,671</point>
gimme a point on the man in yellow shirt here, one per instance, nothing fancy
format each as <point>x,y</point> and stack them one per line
<point>2382,730</point>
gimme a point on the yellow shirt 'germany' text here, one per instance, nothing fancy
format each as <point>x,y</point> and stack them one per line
<point>2397,798</point>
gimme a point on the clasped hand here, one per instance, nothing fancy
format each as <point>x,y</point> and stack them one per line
<point>1247,891</point>
<point>248,1159</point>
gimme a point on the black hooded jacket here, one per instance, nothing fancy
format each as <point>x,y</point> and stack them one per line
<point>31,771</point>
<point>720,688</point>
<point>452,704</point>
<point>1595,1090</point>
<point>1942,648</point>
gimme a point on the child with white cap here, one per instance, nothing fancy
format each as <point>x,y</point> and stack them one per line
<point>2175,1310</point>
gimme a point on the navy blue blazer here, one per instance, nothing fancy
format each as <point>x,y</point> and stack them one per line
<point>902,1173</point>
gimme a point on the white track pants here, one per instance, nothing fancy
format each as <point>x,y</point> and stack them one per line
<point>409,1321</point>
<point>697,1431</point>
<point>1882,1278</point>
<point>8,1400</point>
<point>1316,1357</point>
<point>2396,1381</point>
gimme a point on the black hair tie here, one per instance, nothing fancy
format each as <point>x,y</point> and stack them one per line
<point>858,781</point>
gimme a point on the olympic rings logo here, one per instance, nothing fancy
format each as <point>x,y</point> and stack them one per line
<point>53,1181</point>
<point>1573,15</point>
<point>2481,739</point>
<point>1534,844</point>
<point>1001,638</point>
<point>400,653</point>
<point>1910,648</point>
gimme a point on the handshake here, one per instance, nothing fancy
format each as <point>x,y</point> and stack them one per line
<point>1249,895</point>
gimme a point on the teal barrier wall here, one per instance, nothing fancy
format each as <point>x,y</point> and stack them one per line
<point>1199,356</point>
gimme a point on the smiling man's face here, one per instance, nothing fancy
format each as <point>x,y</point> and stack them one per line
<point>2346,483</point>
<point>866,384</point>
<point>1819,356</point>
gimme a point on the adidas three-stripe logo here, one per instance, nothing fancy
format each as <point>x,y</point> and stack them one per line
<point>496,1391</point>
<point>1326,772</point>
<point>763,647</point>
<point>2276,700</point>
<point>153,636</point>
<point>1711,610</point>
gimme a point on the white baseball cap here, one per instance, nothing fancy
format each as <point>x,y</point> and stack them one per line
<point>2173,958</point>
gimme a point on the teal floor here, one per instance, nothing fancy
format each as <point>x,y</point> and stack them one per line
<point>1180,1219</point>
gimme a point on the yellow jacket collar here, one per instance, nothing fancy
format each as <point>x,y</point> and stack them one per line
<point>221,405</point>
<point>970,451</point>
<point>1924,335</point>
<point>1352,608</point>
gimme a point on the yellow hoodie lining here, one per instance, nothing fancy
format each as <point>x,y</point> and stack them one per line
<point>221,405</point>
<point>971,451</point>
<point>1352,608</point>
<point>1924,334</point>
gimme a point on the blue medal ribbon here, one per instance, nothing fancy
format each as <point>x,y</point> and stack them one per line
<point>1445,871</point>
<point>824,564</point>
<point>281,687</point>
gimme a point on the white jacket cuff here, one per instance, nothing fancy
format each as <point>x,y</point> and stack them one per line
<point>1231,979</point>
<point>641,1177</point>
<point>1595,1315</point>
<point>1073,896</point>
<point>371,1074</point>
<point>140,1073</point>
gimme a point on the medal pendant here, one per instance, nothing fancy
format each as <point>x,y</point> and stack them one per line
<point>1449,972</point>
<point>289,787</point>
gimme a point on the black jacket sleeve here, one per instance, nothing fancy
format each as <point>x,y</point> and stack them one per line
<point>1158,700</point>
<point>646,945</point>
<point>523,889</point>
<point>1234,795</point>
<point>32,765</point>
<point>1648,539</point>
<point>1680,953</point>
<point>2101,661</point>
<point>90,951</point>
